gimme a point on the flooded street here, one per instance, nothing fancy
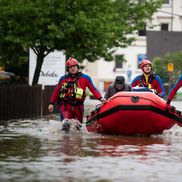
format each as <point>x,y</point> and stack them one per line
<point>37,150</point>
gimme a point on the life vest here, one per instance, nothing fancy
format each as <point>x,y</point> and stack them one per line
<point>146,80</point>
<point>72,93</point>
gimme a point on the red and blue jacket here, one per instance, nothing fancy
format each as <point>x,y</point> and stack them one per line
<point>175,88</point>
<point>83,81</point>
<point>153,82</point>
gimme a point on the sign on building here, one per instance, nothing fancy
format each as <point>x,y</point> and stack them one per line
<point>140,58</point>
<point>53,67</point>
<point>170,67</point>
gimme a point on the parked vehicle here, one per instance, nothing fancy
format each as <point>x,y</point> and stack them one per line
<point>6,77</point>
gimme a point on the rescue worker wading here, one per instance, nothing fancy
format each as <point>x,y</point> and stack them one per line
<point>71,92</point>
<point>149,79</point>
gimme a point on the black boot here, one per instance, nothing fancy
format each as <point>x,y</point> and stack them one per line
<point>66,127</point>
<point>78,126</point>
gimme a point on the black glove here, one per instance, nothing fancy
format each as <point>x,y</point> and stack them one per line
<point>168,101</point>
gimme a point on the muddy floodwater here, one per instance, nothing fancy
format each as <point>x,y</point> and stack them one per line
<point>37,150</point>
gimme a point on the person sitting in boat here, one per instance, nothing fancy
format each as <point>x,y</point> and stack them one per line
<point>174,89</point>
<point>149,79</point>
<point>71,92</point>
<point>118,85</point>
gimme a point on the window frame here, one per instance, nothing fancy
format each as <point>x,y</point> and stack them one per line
<point>119,60</point>
<point>164,26</point>
<point>166,1</point>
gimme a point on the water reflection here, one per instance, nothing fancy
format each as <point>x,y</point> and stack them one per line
<point>123,145</point>
<point>36,150</point>
<point>23,147</point>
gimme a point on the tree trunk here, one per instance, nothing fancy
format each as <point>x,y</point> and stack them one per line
<point>40,59</point>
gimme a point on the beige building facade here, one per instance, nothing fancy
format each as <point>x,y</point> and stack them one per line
<point>167,18</point>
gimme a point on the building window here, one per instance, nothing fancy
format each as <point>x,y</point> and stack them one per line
<point>164,27</point>
<point>142,32</point>
<point>119,59</point>
<point>166,1</point>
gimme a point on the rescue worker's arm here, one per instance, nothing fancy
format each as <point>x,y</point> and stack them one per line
<point>174,89</point>
<point>51,107</point>
<point>93,89</point>
<point>55,95</point>
<point>136,81</point>
<point>160,88</point>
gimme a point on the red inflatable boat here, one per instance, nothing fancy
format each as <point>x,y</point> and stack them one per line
<point>132,113</point>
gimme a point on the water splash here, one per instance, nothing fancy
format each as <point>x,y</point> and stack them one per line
<point>174,132</point>
<point>52,128</point>
<point>46,128</point>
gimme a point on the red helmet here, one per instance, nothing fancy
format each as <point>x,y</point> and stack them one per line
<point>144,62</point>
<point>72,62</point>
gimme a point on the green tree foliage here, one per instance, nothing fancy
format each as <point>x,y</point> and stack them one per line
<point>160,65</point>
<point>15,59</point>
<point>85,29</point>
